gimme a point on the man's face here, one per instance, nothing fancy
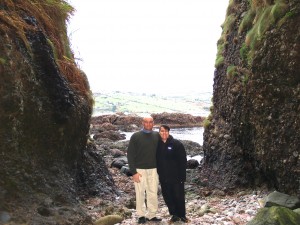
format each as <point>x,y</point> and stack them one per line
<point>148,123</point>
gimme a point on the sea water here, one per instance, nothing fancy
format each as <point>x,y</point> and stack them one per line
<point>194,134</point>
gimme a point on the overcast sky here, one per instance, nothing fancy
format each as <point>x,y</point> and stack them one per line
<point>148,46</point>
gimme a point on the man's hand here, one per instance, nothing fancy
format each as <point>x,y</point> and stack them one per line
<point>136,177</point>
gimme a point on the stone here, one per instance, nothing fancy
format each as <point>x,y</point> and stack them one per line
<point>109,220</point>
<point>275,215</point>
<point>280,199</point>
<point>116,153</point>
<point>192,164</point>
<point>119,162</point>
<point>126,171</point>
<point>4,217</point>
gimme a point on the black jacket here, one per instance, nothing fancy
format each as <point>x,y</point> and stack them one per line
<point>171,161</point>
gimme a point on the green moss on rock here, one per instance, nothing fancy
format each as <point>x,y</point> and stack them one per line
<point>275,216</point>
<point>109,220</point>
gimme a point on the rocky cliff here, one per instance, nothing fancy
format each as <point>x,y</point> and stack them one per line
<point>252,135</point>
<point>45,109</point>
<point>47,163</point>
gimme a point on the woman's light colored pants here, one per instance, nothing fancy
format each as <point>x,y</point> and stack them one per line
<point>147,189</point>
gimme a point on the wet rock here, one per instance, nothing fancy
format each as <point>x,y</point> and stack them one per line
<point>111,135</point>
<point>192,148</point>
<point>177,119</point>
<point>254,111</point>
<point>103,127</point>
<point>192,164</point>
<point>126,171</point>
<point>93,176</point>
<point>43,211</point>
<point>132,122</point>
<point>119,162</point>
<point>116,153</point>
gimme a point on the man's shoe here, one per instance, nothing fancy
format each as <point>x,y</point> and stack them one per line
<point>155,219</point>
<point>142,220</point>
<point>185,220</point>
<point>174,219</point>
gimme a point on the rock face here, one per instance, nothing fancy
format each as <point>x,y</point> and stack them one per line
<point>45,109</point>
<point>47,162</point>
<point>177,119</point>
<point>252,135</point>
<point>133,122</point>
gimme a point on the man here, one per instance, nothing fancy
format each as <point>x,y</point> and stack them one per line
<point>171,168</point>
<point>142,164</point>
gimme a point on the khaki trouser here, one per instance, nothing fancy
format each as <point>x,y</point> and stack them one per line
<point>149,184</point>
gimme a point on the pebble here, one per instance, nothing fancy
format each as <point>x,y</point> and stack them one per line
<point>4,217</point>
<point>229,210</point>
<point>234,209</point>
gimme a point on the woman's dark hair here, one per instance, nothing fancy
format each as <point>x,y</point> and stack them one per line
<point>166,127</point>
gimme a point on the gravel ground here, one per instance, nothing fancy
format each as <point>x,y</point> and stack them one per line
<point>203,205</point>
<point>219,210</point>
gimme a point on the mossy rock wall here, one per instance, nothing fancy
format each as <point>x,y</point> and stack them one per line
<point>42,115</point>
<point>253,135</point>
<point>45,109</point>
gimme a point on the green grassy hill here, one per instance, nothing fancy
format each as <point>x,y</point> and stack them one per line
<point>140,103</point>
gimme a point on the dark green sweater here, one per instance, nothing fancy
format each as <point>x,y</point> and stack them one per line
<point>141,152</point>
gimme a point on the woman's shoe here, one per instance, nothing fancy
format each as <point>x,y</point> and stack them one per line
<point>185,220</point>
<point>174,219</point>
<point>155,219</point>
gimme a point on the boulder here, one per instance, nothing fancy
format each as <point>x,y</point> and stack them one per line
<point>192,164</point>
<point>119,162</point>
<point>177,119</point>
<point>280,199</point>
<point>116,153</point>
<point>109,220</point>
<point>126,171</point>
<point>112,135</point>
<point>275,215</point>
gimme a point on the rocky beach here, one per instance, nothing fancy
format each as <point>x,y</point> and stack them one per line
<point>205,205</point>
<point>62,166</point>
<point>105,192</point>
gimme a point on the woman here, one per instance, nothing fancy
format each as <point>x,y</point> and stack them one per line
<point>171,168</point>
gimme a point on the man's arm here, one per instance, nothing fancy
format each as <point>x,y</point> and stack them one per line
<point>131,155</point>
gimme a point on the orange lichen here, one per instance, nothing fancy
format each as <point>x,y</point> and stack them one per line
<point>51,17</point>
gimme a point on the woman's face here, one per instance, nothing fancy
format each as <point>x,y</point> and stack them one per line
<point>164,134</point>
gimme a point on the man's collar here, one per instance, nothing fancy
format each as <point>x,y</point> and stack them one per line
<point>146,131</point>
